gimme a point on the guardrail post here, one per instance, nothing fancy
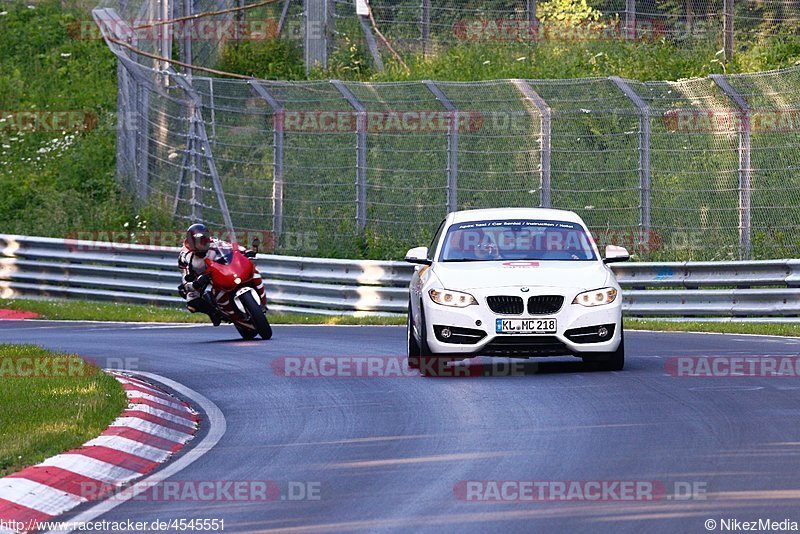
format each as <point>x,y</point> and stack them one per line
<point>744,162</point>
<point>277,155</point>
<point>545,135</point>
<point>644,156</point>
<point>361,153</point>
<point>200,135</point>
<point>452,145</point>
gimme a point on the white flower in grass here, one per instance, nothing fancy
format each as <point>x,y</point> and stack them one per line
<point>65,54</point>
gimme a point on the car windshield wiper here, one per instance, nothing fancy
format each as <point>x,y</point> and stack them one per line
<point>455,260</point>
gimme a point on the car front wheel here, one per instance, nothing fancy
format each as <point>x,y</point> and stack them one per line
<point>611,361</point>
<point>412,346</point>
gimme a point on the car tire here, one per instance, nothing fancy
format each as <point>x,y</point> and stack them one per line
<point>429,364</point>
<point>612,361</point>
<point>412,345</point>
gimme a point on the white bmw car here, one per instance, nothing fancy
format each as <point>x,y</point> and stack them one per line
<point>517,282</point>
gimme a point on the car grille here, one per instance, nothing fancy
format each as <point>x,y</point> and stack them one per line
<point>545,304</point>
<point>505,304</point>
<point>522,346</point>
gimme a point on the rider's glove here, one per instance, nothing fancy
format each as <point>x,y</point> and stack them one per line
<point>201,282</point>
<point>250,253</point>
<point>182,291</point>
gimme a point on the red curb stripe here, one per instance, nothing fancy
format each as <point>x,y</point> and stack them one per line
<point>153,392</point>
<point>164,408</point>
<point>144,384</point>
<point>63,480</point>
<point>138,382</point>
<point>13,315</point>
<point>143,437</point>
<point>159,421</point>
<point>10,511</point>
<point>118,458</point>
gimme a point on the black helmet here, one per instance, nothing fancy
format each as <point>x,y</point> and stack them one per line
<point>198,238</point>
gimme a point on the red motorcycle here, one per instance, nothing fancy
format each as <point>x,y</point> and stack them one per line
<point>238,291</point>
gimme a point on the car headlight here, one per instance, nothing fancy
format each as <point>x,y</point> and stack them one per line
<point>596,297</point>
<point>452,298</point>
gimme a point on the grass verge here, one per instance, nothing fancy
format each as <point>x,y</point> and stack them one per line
<point>766,329</point>
<point>102,311</point>
<point>66,403</point>
<point>79,310</point>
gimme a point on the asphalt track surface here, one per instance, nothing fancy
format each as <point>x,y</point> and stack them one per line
<point>387,452</point>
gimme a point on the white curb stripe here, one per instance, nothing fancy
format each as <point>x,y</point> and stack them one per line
<point>177,419</point>
<point>216,429</point>
<point>92,468</point>
<point>47,500</point>
<point>37,496</point>
<point>131,447</point>
<point>154,392</point>
<point>139,394</point>
<point>152,428</point>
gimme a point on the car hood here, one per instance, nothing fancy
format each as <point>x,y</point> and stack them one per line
<point>486,274</point>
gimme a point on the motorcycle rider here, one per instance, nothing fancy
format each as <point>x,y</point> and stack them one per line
<point>199,245</point>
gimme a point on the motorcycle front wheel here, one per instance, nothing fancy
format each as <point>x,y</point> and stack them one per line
<point>257,316</point>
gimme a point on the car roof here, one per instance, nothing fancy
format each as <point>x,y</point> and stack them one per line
<point>546,214</point>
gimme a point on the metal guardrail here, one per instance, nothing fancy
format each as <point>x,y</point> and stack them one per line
<point>65,268</point>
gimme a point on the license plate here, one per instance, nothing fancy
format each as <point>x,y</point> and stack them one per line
<point>525,326</point>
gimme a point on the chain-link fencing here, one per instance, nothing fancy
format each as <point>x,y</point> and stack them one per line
<point>697,169</point>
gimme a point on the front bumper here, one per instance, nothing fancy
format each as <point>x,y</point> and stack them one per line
<point>472,329</point>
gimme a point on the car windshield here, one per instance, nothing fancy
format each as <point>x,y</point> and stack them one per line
<point>515,239</point>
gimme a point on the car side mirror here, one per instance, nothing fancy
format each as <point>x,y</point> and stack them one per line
<point>615,254</point>
<point>418,255</point>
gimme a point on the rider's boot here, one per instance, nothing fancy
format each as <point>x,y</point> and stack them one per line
<point>203,306</point>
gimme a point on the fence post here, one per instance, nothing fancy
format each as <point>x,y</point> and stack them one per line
<point>200,135</point>
<point>533,22</point>
<point>425,24</point>
<point>545,136</point>
<point>727,29</point>
<point>630,19</point>
<point>316,14</point>
<point>452,145</point>
<point>277,155</point>
<point>136,98</point>
<point>644,156</point>
<point>744,162</point>
<point>188,30</point>
<point>371,43</point>
<point>361,153</point>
